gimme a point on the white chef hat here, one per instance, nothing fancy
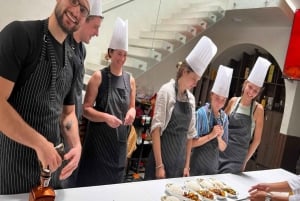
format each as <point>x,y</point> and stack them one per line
<point>222,82</point>
<point>201,55</point>
<point>119,39</point>
<point>96,8</point>
<point>259,71</point>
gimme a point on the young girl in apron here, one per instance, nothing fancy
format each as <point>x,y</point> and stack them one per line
<point>212,127</point>
<point>173,123</point>
<point>246,118</point>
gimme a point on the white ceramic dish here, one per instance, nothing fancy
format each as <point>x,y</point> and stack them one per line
<point>182,193</point>
<point>169,198</point>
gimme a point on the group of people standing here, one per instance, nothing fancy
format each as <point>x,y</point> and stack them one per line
<point>209,140</point>
<point>41,79</point>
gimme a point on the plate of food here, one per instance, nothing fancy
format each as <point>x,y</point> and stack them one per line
<point>181,192</point>
<point>205,194</point>
<point>231,193</point>
<point>169,198</point>
<point>219,193</point>
<point>207,184</point>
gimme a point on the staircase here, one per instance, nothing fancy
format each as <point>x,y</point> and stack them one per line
<point>163,38</point>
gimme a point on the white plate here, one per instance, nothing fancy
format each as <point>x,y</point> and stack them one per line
<point>219,197</point>
<point>194,186</point>
<point>229,194</point>
<point>224,186</point>
<point>180,192</point>
<point>205,183</point>
<point>169,198</point>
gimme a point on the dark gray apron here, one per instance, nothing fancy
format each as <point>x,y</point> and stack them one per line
<point>39,102</point>
<point>103,159</point>
<point>205,158</point>
<point>239,135</point>
<point>78,61</point>
<point>173,143</point>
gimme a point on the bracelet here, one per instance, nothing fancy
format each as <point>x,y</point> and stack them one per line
<point>159,166</point>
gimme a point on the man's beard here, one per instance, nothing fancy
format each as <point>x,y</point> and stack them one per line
<point>59,16</point>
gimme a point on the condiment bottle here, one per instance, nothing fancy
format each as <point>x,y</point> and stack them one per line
<point>43,192</point>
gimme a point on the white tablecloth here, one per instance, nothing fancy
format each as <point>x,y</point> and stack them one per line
<point>154,190</point>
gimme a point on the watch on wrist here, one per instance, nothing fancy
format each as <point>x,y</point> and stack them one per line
<point>268,197</point>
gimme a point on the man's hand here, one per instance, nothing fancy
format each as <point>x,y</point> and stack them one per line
<point>73,157</point>
<point>48,156</point>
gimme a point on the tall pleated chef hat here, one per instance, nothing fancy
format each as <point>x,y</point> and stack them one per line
<point>222,82</point>
<point>119,39</point>
<point>96,8</point>
<point>259,71</point>
<point>201,55</point>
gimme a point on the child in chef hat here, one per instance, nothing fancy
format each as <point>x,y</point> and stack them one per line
<point>173,123</point>
<point>246,117</point>
<point>212,127</point>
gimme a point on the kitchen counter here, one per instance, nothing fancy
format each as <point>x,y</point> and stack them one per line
<point>155,189</point>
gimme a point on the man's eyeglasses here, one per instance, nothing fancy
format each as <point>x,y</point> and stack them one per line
<point>84,11</point>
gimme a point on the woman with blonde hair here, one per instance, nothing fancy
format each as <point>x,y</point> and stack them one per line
<point>246,118</point>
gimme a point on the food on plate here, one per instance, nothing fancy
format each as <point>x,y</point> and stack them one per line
<point>193,185</point>
<point>169,198</point>
<point>217,183</point>
<point>205,183</point>
<point>206,194</point>
<point>221,194</point>
<point>191,195</point>
<point>230,191</point>
<point>180,192</point>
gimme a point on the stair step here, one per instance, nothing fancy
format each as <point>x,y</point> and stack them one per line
<point>176,20</point>
<point>136,63</point>
<point>150,43</point>
<point>169,27</point>
<point>163,52</point>
<point>164,35</point>
<point>133,71</point>
<point>144,52</point>
<point>198,9</point>
<point>150,61</point>
<point>208,3</point>
<point>176,44</point>
<point>208,16</point>
<point>205,3</point>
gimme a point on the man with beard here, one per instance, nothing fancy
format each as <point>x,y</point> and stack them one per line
<point>37,81</point>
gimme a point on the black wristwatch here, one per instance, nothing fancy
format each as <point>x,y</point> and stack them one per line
<point>268,197</point>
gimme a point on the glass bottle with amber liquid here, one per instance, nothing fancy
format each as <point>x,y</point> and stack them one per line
<point>43,192</point>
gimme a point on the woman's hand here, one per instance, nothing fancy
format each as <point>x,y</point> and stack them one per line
<point>113,121</point>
